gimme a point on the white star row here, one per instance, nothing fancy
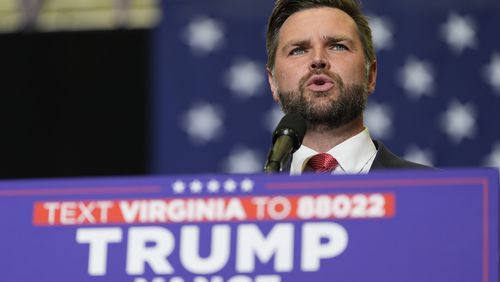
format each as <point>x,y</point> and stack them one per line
<point>204,123</point>
<point>459,32</point>
<point>417,77</point>
<point>212,186</point>
<point>245,78</point>
<point>204,35</point>
<point>459,121</point>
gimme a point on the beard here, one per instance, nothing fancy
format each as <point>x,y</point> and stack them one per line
<point>322,111</point>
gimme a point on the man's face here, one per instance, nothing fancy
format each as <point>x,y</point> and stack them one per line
<point>320,69</point>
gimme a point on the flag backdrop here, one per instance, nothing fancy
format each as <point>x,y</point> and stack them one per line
<point>437,99</point>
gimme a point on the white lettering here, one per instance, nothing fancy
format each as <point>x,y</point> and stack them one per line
<point>240,278</point>
<point>176,211</point>
<point>157,211</point>
<point>98,240</point>
<point>235,210</point>
<point>129,210</point>
<point>68,212</point>
<point>276,213</point>
<point>138,254</point>
<point>312,248</point>
<point>251,243</point>
<point>51,207</point>
<point>190,246</point>
<point>104,206</point>
<point>260,203</point>
<point>86,212</point>
<point>212,279</point>
<point>268,278</point>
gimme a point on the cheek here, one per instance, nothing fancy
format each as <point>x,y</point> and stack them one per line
<point>288,79</point>
<point>356,73</point>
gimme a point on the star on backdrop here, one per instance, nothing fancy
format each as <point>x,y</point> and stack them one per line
<point>243,160</point>
<point>459,121</point>
<point>245,78</point>
<point>421,156</point>
<point>416,78</point>
<point>378,118</point>
<point>493,158</point>
<point>436,101</point>
<point>382,32</point>
<point>203,122</point>
<point>492,72</point>
<point>459,32</point>
<point>204,35</point>
<point>271,118</point>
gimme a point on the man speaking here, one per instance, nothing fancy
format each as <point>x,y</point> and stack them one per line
<point>322,67</point>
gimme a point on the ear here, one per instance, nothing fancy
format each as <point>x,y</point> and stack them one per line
<point>272,84</point>
<point>372,77</point>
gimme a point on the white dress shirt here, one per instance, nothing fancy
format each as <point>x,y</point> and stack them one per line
<point>354,155</point>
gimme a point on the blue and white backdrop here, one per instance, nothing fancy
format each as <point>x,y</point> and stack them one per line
<point>437,99</point>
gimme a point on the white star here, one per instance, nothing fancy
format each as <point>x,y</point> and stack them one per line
<point>203,123</point>
<point>417,78</point>
<point>493,159</point>
<point>196,186</point>
<point>230,185</point>
<point>243,160</point>
<point>492,72</point>
<point>247,185</point>
<point>421,156</point>
<point>382,31</point>
<point>178,187</point>
<point>213,186</point>
<point>378,118</point>
<point>271,118</point>
<point>459,33</point>
<point>204,35</point>
<point>245,78</point>
<point>459,121</point>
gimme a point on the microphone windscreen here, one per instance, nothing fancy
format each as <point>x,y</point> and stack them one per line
<point>292,125</point>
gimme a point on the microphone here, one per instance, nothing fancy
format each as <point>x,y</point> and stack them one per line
<point>287,139</point>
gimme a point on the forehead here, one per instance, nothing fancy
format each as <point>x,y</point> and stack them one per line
<point>321,21</point>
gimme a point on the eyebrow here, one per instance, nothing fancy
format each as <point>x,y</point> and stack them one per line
<point>326,39</point>
<point>339,38</point>
<point>295,43</point>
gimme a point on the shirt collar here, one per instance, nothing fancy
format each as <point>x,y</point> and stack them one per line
<point>354,155</point>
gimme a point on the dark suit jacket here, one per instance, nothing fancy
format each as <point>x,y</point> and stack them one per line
<point>384,159</point>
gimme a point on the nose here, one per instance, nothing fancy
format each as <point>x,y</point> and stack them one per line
<point>319,62</point>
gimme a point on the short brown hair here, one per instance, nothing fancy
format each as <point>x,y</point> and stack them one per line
<point>285,8</point>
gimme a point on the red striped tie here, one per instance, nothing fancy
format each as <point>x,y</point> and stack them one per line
<point>322,163</point>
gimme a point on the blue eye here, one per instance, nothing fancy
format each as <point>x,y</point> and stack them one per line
<point>298,51</point>
<point>339,47</point>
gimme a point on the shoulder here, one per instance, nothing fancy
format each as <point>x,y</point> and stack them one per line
<point>385,159</point>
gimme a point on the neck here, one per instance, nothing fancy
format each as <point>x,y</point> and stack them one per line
<point>322,138</point>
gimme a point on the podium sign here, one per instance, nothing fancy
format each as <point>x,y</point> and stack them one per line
<point>385,226</point>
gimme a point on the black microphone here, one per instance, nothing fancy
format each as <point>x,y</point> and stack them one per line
<point>287,139</point>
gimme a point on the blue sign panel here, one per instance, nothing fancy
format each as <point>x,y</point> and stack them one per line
<point>390,226</point>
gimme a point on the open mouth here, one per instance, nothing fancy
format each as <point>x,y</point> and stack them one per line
<point>319,83</point>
